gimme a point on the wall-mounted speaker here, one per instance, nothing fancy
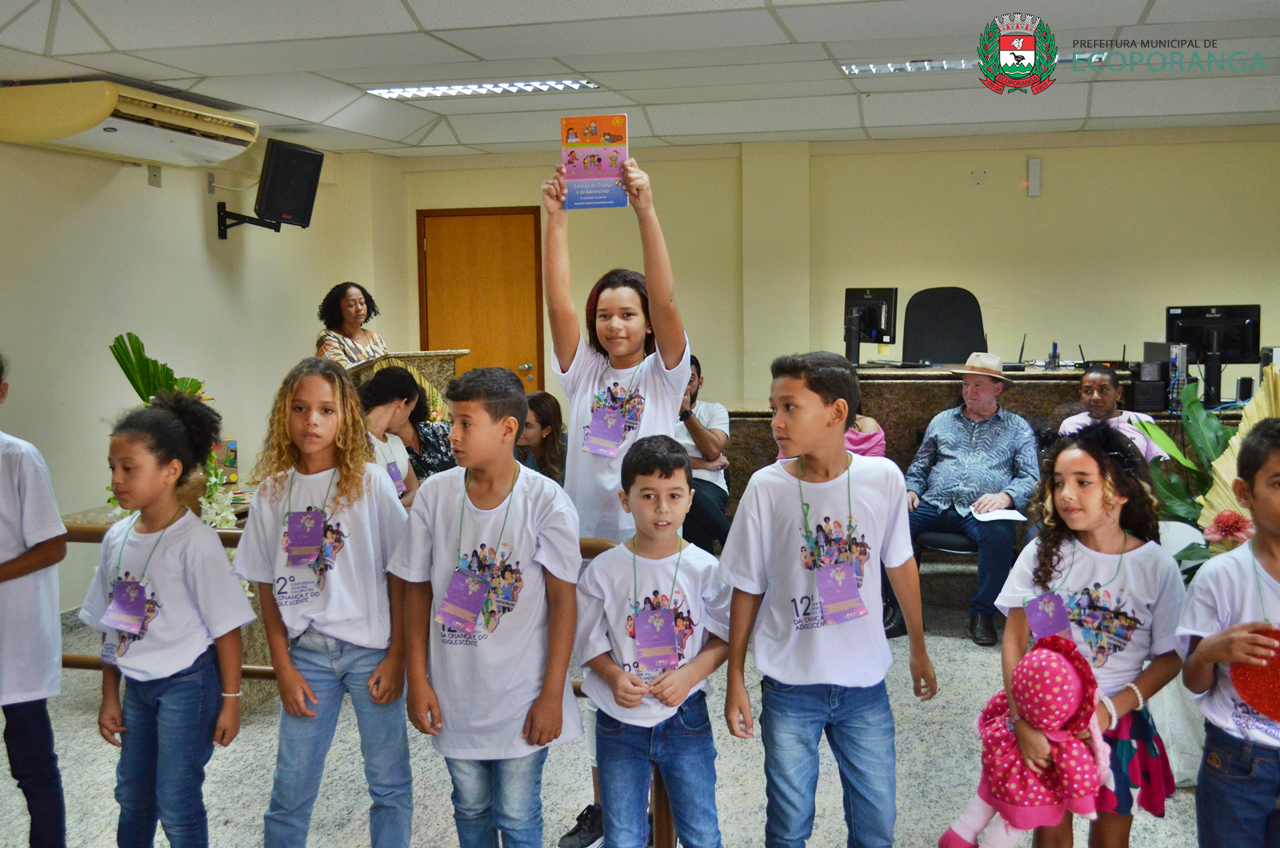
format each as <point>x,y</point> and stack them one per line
<point>287,187</point>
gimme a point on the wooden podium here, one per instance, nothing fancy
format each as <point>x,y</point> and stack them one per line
<point>437,367</point>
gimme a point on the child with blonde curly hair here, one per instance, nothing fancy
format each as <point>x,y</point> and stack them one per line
<point>321,529</point>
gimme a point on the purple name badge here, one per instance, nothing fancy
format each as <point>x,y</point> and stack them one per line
<point>656,640</point>
<point>306,535</point>
<point>397,478</point>
<point>128,607</point>
<point>838,592</point>
<point>1047,615</point>
<point>463,601</point>
<point>607,430</point>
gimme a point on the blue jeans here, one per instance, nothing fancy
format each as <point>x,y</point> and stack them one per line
<point>682,749</point>
<point>163,754</point>
<point>332,667</point>
<point>498,796</point>
<point>1237,793</point>
<point>859,727</point>
<point>28,736</point>
<point>995,548</point>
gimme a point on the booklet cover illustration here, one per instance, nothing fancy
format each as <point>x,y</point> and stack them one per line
<point>592,150</point>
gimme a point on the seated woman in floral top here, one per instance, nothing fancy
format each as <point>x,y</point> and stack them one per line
<point>427,441</point>
<point>344,311</point>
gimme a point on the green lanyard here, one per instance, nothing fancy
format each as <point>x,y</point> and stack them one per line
<point>1070,568</point>
<point>466,481</point>
<point>124,544</point>
<point>288,507</point>
<point>1257,581</point>
<point>635,586</point>
<point>848,491</point>
<point>631,383</point>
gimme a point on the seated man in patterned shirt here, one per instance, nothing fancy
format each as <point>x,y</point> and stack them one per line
<point>975,458</point>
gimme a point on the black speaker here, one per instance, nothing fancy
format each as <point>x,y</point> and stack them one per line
<point>287,187</point>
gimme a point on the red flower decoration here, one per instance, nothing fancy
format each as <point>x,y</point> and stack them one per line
<point>1229,526</point>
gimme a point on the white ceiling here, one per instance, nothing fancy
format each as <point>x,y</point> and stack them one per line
<point>687,72</point>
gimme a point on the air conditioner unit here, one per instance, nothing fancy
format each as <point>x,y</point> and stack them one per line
<point>106,119</point>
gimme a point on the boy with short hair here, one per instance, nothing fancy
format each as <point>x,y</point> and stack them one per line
<point>809,591</point>
<point>1234,595</point>
<point>652,623</point>
<point>491,557</point>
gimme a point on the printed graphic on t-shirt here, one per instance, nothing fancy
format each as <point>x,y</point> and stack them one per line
<point>681,615</point>
<point>1247,719</point>
<point>828,545</point>
<point>291,590</point>
<point>1106,625</point>
<point>616,397</point>
<point>505,579</point>
<point>153,608</point>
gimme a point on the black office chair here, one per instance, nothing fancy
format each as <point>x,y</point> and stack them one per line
<point>942,325</point>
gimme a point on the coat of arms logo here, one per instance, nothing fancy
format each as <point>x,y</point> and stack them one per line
<point>1017,50</point>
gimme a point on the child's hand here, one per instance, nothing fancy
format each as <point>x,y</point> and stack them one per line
<point>628,690</point>
<point>424,708</point>
<point>111,720</point>
<point>672,687</point>
<point>554,191</point>
<point>1239,643</point>
<point>542,725</point>
<point>923,679</point>
<point>228,722</point>
<point>737,711</point>
<point>1036,754</point>
<point>295,692</point>
<point>387,681</point>
<point>637,185</point>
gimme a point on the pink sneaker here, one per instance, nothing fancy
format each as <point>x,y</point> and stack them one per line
<point>951,839</point>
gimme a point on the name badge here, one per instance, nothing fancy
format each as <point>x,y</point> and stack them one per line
<point>397,478</point>
<point>128,607</point>
<point>656,640</point>
<point>838,591</point>
<point>1047,615</point>
<point>463,601</point>
<point>605,433</point>
<point>109,647</point>
<point>306,535</point>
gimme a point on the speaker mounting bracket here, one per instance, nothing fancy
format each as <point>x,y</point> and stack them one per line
<point>227,220</point>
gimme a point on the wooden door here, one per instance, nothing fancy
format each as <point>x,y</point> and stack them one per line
<point>480,287</point>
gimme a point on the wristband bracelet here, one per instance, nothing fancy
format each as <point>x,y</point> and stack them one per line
<point>1111,709</point>
<point>231,694</point>
<point>1142,702</point>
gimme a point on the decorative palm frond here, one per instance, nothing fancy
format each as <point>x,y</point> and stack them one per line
<point>147,375</point>
<point>1264,404</point>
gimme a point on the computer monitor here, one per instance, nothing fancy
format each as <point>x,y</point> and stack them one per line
<point>1216,336</point>
<point>870,315</point>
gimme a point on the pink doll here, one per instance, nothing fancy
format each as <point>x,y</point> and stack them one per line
<point>1056,690</point>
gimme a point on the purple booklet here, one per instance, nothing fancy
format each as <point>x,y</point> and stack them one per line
<point>656,640</point>
<point>838,592</point>
<point>128,608</point>
<point>606,432</point>
<point>306,533</point>
<point>1047,615</point>
<point>463,601</point>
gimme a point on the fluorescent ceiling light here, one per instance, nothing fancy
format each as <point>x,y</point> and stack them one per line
<point>910,66</point>
<point>468,88</point>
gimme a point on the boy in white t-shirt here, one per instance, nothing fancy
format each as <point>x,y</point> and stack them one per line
<point>491,557</point>
<point>32,542</point>
<point>652,623</point>
<point>804,555</point>
<point>1226,619</point>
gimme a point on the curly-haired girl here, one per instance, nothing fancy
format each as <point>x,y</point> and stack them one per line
<point>1098,570</point>
<point>333,626</point>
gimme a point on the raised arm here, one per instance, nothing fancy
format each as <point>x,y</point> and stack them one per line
<point>555,271</point>
<point>668,329</point>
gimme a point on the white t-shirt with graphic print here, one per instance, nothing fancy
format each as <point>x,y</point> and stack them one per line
<point>488,680</point>
<point>343,594</point>
<point>793,642</point>
<point>606,623</point>
<point>192,596</point>
<point>648,395</point>
<point>1225,591</point>
<point>392,450</point>
<point>1122,613</point>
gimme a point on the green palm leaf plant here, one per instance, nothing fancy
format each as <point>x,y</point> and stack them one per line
<point>149,376</point>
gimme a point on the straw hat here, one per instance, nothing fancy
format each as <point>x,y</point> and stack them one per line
<point>986,364</point>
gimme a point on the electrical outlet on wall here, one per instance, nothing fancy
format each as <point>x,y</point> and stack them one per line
<point>978,177</point>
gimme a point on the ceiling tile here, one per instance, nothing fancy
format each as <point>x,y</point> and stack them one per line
<point>29,31</point>
<point>1226,119</point>
<point>847,134</point>
<point>1168,11</point>
<point>975,106</point>
<point>380,117</point>
<point>16,65</point>
<point>953,130</point>
<point>932,81</point>
<point>73,34</point>
<point>10,9</point>
<point>757,55</point>
<point>667,32</point>
<point>515,70</point>
<point>528,126</point>
<point>122,64</point>
<point>407,152</point>
<point>570,102</point>
<point>268,119</point>
<point>1186,97</point>
<point>301,95</point>
<point>327,138</point>
<point>798,113</point>
<point>454,14</point>
<point>720,75</point>
<point>142,24</point>
<point>713,93</point>
<point>438,136</point>
<point>1218,29</point>
<point>324,54</point>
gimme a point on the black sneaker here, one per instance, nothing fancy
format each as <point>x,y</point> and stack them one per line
<point>588,832</point>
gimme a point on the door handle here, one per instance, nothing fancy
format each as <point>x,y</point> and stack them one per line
<point>526,366</point>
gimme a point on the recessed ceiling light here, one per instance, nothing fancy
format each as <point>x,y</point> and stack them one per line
<point>910,66</point>
<point>468,88</point>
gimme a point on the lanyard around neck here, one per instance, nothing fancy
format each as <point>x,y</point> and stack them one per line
<point>466,481</point>
<point>631,381</point>
<point>124,544</point>
<point>635,585</point>
<point>848,491</point>
<point>1257,579</point>
<point>1070,568</point>
<point>288,507</point>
